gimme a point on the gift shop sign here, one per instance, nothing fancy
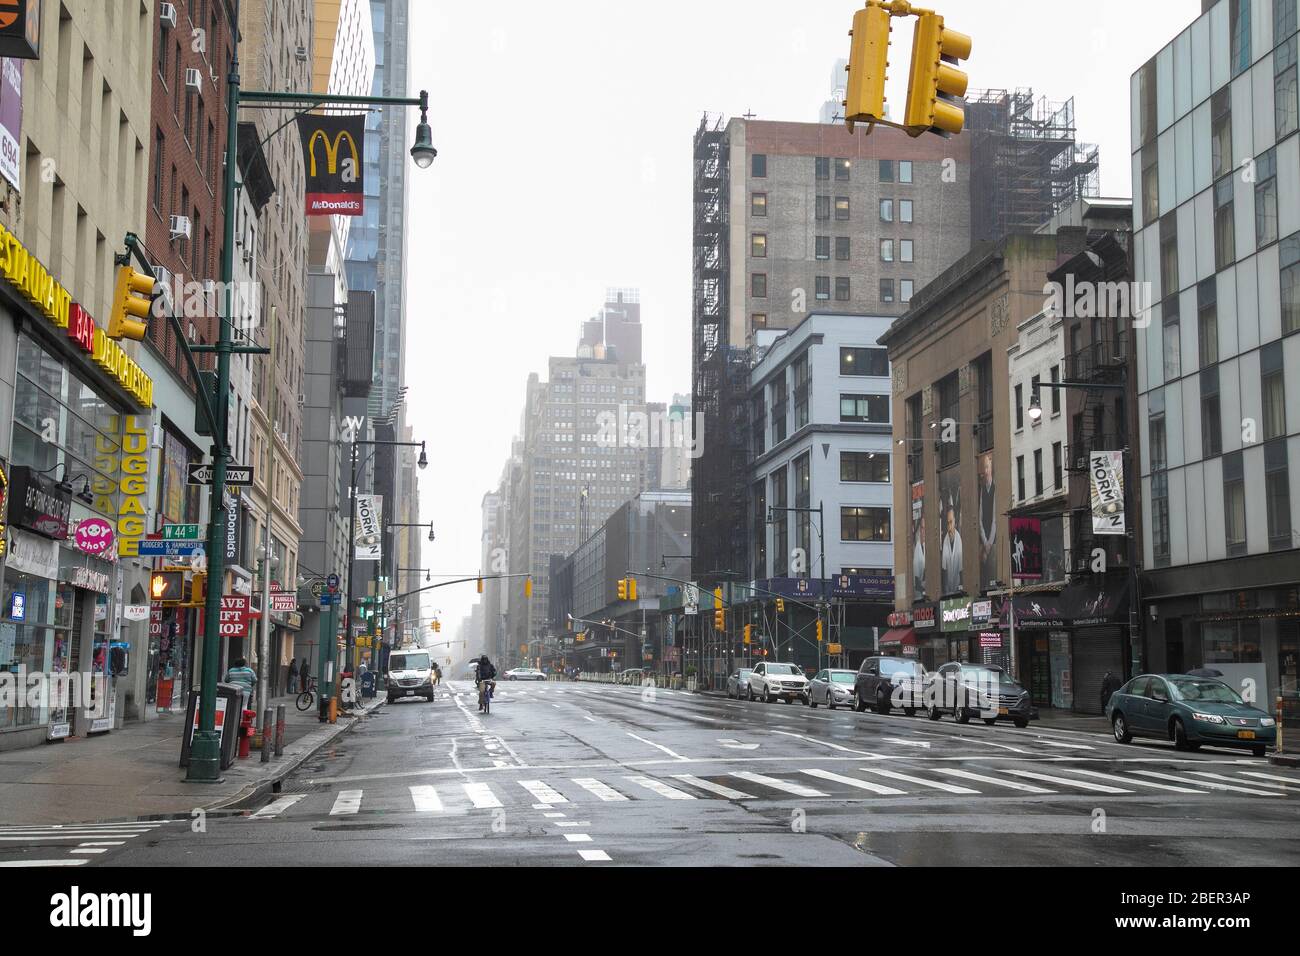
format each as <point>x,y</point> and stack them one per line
<point>233,616</point>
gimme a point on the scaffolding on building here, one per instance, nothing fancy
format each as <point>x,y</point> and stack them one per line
<point>1026,164</point>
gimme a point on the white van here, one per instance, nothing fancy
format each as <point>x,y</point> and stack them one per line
<point>410,674</point>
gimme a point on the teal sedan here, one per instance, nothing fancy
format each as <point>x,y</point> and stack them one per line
<point>1190,711</point>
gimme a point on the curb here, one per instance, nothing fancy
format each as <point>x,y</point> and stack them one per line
<point>1284,760</point>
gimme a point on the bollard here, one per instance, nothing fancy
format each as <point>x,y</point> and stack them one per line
<point>279,730</point>
<point>266,735</point>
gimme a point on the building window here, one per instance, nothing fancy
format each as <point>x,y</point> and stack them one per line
<point>1020,407</point>
<point>1172,345</point>
<point>823,167</point>
<point>904,290</point>
<point>803,499</point>
<point>759,285</point>
<point>886,210</point>
<point>1277,496</point>
<point>759,320</point>
<point>1273,387</point>
<point>842,208</point>
<point>758,165</point>
<point>1289,260</point>
<point>1221,161</point>
<point>1056,392</point>
<point>1020,477</point>
<point>1225,251</point>
<point>1035,389</point>
<point>1207,321</point>
<point>886,250</point>
<point>1211,417</point>
<point>801,389</point>
<point>758,245</point>
<point>983,370</point>
<point>864,361</point>
<point>1286,105</point>
<point>865,409</point>
<point>1156,436</point>
<point>1266,198</point>
<point>780,399</point>
<point>823,207</point>
<point>780,524</point>
<point>1234,504</point>
<point>1239,35</point>
<point>886,290</point>
<point>1150,185</point>
<point>158,166</point>
<point>904,170</point>
<point>758,495</point>
<point>842,248</point>
<point>864,524</point>
<point>1284,19</point>
<point>823,287</point>
<point>1168,255</point>
<point>864,466</point>
<point>841,289</point>
<point>905,210</point>
<point>1038,472</point>
<point>886,170</point>
<point>758,204</point>
<point>905,250</point>
<point>1160,518</point>
<point>949,410</point>
<point>1058,466</point>
<point>842,170</point>
<point>914,449</point>
<point>758,424</point>
<point>822,247</point>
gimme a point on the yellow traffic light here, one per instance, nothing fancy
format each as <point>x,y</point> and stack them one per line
<point>622,589</point>
<point>199,588</point>
<point>480,585</point>
<point>749,629</point>
<point>631,589</point>
<point>132,299</point>
<point>935,87</point>
<point>868,59</point>
<point>819,630</point>
<point>720,620</point>
<point>780,606</point>
<point>528,587</point>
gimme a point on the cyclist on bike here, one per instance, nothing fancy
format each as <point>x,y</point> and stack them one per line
<point>484,672</point>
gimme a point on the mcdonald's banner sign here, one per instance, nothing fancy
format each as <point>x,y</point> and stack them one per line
<point>332,153</point>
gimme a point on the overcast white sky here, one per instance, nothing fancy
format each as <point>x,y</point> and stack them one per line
<point>564,136</point>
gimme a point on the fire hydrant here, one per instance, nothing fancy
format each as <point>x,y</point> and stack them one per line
<point>246,726</point>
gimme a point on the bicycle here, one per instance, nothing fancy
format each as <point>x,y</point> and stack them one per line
<point>485,695</point>
<point>307,699</point>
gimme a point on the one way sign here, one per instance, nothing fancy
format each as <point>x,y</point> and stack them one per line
<point>235,475</point>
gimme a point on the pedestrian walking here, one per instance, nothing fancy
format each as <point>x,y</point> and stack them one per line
<point>1109,684</point>
<point>303,675</point>
<point>292,682</point>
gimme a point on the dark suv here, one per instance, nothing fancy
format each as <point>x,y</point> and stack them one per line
<point>883,683</point>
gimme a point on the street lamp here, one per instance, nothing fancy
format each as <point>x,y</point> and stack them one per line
<point>1035,407</point>
<point>424,154</point>
<point>424,460</point>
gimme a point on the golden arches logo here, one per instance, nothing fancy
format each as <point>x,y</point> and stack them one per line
<point>331,151</point>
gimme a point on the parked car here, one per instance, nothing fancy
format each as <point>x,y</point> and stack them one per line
<point>738,683</point>
<point>525,673</point>
<point>883,683</point>
<point>831,687</point>
<point>1190,711</point>
<point>773,681</point>
<point>977,690</point>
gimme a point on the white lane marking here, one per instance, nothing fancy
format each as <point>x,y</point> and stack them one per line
<point>1129,781</point>
<point>602,790</point>
<point>277,807</point>
<point>1209,783</point>
<point>736,744</point>
<point>426,800</point>
<point>589,717</point>
<point>577,837</point>
<point>594,856</point>
<point>541,806</point>
<point>88,850</point>
<point>908,743</point>
<point>656,746</point>
<point>717,788</point>
<point>661,788</point>
<point>1060,743</point>
<point>30,828</point>
<point>852,781</point>
<point>920,781</point>
<point>1065,781</point>
<point>553,816</point>
<point>482,795</point>
<point>542,792</point>
<point>1269,776</point>
<point>994,781</point>
<point>104,843</point>
<point>348,801</point>
<point>826,743</point>
<point>1219,776</point>
<point>42,862</point>
<point>798,789</point>
<point>46,837</point>
<point>574,823</point>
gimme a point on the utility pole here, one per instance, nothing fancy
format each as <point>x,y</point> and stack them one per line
<point>264,644</point>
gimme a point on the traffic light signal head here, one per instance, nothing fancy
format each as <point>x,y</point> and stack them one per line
<point>480,585</point>
<point>868,59</point>
<point>780,606</point>
<point>528,587</point>
<point>199,588</point>
<point>631,589</point>
<point>720,619</point>
<point>132,299</point>
<point>935,87</point>
<point>167,587</point>
<point>749,630</point>
<point>622,589</point>
<point>819,630</point>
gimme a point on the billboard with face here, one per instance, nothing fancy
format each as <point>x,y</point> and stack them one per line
<point>990,541</point>
<point>950,540</point>
<point>917,542</point>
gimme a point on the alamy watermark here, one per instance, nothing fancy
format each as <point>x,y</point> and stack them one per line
<point>636,429</point>
<point>58,690</point>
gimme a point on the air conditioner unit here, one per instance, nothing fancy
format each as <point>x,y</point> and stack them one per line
<point>301,54</point>
<point>167,14</point>
<point>302,399</point>
<point>181,227</point>
<point>192,333</point>
<point>194,81</point>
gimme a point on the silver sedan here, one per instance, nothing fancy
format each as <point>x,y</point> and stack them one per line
<point>738,683</point>
<point>832,687</point>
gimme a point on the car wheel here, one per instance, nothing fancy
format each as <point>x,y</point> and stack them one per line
<point>990,720</point>
<point>861,704</point>
<point>429,698</point>
<point>882,703</point>
<point>392,699</point>
<point>809,702</point>
<point>933,712</point>
<point>1257,751</point>
<point>1180,736</point>
<point>1022,722</point>
<point>960,716</point>
<point>830,703</point>
<point>1120,728</point>
<point>751,695</point>
<point>767,695</point>
<point>909,711</point>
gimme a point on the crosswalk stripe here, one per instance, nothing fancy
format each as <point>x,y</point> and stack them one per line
<point>542,792</point>
<point>994,781</point>
<point>920,781</point>
<point>1066,781</point>
<point>482,796</point>
<point>19,831</point>
<point>81,826</point>
<point>426,799</point>
<point>577,837</point>
<point>277,807</point>
<point>105,843</point>
<point>348,801</point>
<point>89,850</point>
<point>1209,783</point>
<point>1269,776</point>
<point>798,789</point>
<point>661,788</point>
<point>604,791</point>
<point>67,862</point>
<point>594,856</point>
<point>45,837</point>
<point>717,788</point>
<point>1131,782</point>
<point>1219,776</point>
<point>853,782</point>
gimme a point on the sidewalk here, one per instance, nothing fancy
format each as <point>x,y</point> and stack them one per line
<point>135,772</point>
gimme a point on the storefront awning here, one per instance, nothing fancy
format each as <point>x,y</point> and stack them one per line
<point>904,636</point>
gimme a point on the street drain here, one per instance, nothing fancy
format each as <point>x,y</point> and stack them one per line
<point>357,826</point>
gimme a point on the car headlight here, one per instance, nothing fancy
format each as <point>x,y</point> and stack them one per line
<point>1208,718</point>
<point>1267,721</point>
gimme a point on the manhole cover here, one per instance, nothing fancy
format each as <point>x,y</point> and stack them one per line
<point>357,826</point>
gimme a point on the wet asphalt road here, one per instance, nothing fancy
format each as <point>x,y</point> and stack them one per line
<point>595,775</point>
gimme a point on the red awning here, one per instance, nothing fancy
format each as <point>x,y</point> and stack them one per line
<point>899,635</point>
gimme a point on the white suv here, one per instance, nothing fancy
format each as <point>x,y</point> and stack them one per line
<point>772,681</point>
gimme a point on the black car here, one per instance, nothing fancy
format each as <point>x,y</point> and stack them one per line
<point>883,683</point>
<point>977,690</point>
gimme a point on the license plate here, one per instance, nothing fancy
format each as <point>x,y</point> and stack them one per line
<point>1002,712</point>
<point>1246,734</point>
<point>408,693</point>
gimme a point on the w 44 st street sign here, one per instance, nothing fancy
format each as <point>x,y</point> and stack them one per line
<point>241,475</point>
